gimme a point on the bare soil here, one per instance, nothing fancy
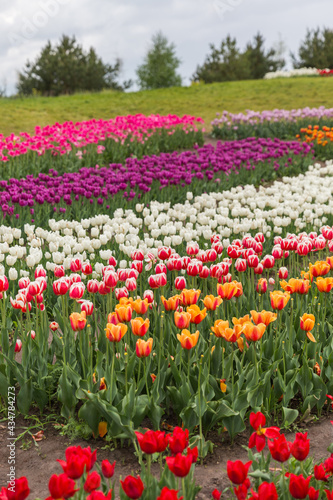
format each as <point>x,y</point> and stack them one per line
<point>38,463</point>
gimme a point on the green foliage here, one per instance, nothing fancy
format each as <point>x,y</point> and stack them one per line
<point>66,68</point>
<point>316,50</point>
<point>160,64</point>
<point>228,63</point>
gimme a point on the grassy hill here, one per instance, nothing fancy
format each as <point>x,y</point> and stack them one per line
<point>24,114</point>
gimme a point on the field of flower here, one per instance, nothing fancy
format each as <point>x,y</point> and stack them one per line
<point>171,282</point>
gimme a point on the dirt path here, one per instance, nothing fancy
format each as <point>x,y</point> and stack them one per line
<point>39,463</point>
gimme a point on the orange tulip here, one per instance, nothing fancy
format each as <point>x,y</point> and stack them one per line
<point>279,299</point>
<point>140,306</point>
<point>140,326</point>
<point>189,297</point>
<point>78,320</point>
<point>219,327</point>
<point>223,385</point>
<point>307,276</point>
<point>125,301</point>
<point>124,313</point>
<point>262,285</point>
<point>211,302</point>
<point>228,290</point>
<point>143,348</point>
<point>102,429</point>
<point>239,288</point>
<point>319,268</point>
<point>196,315</point>
<point>307,322</point>
<point>324,284</point>
<point>232,335</point>
<point>265,317</point>
<point>296,286</point>
<point>115,332</point>
<point>241,321</point>
<point>188,340</point>
<point>254,332</point>
<point>172,303</point>
<point>182,319</point>
<point>329,261</point>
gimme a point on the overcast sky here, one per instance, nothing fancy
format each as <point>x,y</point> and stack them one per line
<point>124,28</point>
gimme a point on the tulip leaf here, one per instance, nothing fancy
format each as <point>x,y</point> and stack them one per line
<point>290,415</point>
<point>24,397</point>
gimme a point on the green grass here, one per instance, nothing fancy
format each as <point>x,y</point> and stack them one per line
<point>24,114</point>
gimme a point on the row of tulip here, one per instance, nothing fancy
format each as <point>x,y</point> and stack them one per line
<point>299,477</point>
<point>93,190</point>
<point>290,205</point>
<point>281,123</point>
<point>296,72</point>
<point>68,146</point>
<point>233,362</point>
<point>321,140</point>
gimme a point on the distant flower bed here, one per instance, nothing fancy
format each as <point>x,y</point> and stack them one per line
<point>281,123</point>
<point>292,73</point>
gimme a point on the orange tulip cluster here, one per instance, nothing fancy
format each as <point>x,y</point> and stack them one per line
<point>314,134</point>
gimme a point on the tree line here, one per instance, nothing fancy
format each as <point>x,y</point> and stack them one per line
<point>66,68</point>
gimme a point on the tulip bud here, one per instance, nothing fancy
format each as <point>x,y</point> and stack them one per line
<point>92,286</point>
<point>283,273</point>
<point>18,345</point>
<point>87,268</point>
<point>59,271</point>
<point>76,291</point>
<point>149,295</point>
<point>130,284</point>
<point>75,265</point>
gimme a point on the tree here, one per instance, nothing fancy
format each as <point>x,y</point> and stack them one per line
<point>160,64</point>
<point>316,51</point>
<point>66,68</point>
<point>229,63</point>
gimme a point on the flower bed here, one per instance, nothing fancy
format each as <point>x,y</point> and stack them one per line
<point>281,123</point>
<point>93,190</point>
<point>293,73</point>
<point>320,138</point>
<point>66,146</point>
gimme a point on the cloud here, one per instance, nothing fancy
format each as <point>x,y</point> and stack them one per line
<point>125,29</point>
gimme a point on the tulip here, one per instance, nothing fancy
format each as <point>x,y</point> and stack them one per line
<point>253,261</point>
<point>189,297</point>
<point>227,291</point>
<point>320,473</point>
<point>131,284</point>
<point>296,286</point>
<point>76,290</point>
<point>61,486</point>
<point>265,317</point>
<point>121,292</point>
<point>132,486</point>
<point>148,295</point>
<point>188,340</point>
<point>262,285</point>
<point>301,446</point>
<point>319,268</point>
<point>18,345</point>
<point>3,284</point>
<point>172,303</point>
<point>283,273</point>
<point>87,268</point>
<point>241,321</point>
<point>92,286</point>
<point>60,286</point>
<point>324,284</point>
<point>192,249</point>
<point>258,438</point>
<point>253,332</point>
<point>164,253</point>
<point>179,465</point>
<point>240,265</point>
<point>108,469</point>
<point>279,448</point>
<point>115,332</point>
<point>17,491</point>
<point>237,471</point>
<point>78,321</point>
<point>167,494</point>
<point>143,348</point>
<point>110,279</point>
<point>180,283</point>
<point>279,299</point>
<point>220,327</point>
<point>75,265</point>
<point>196,315</point>
<point>92,482</point>
<point>299,486</point>
<point>178,440</point>
<point>124,313</point>
<point>140,326</point>
<point>59,271</point>
<point>329,261</point>
<point>182,319</point>
<point>314,494</point>
<point>212,303</point>
<point>267,491</point>
<point>32,334</point>
<point>140,306</point>
<point>137,265</point>
<point>307,322</point>
<point>77,461</point>
<point>259,270</point>
<point>152,441</point>
<point>54,326</point>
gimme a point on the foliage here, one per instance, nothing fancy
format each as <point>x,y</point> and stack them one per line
<point>160,64</point>
<point>316,50</point>
<point>66,68</point>
<point>228,63</point>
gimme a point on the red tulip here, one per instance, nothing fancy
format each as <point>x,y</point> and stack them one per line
<point>152,441</point>
<point>267,491</point>
<point>3,284</point>
<point>167,494</point>
<point>92,286</point>
<point>178,440</point>
<point>216,494</point>
<point>301,446</point>
<point>19,491</point>
<point>92,482</point>
<point>108,469</point>
<point>18,345</point>
<point>164,253</point>
<point>75,265</point>
<point>59,271</point>
<point>133,487</point>
<point>179,465</point>
<point>237,471</point>
<point>313,493</point>
<point>60,286</point>
<point>99,495</point>
<point>180,283</point>
<point>87,268</point>
<point>258,438</point>
<point>61,486</point>
<point>76,290</point>
<point>320,473</point>
<point>298,486</point>
<point>279,448</point>
<point>329,494</point>
<point>110,279</point>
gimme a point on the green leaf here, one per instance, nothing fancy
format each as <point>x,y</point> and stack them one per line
<point>290,415</point>
<point>24,397</point>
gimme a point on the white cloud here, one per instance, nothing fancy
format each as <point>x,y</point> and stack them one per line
<point>125,30</point>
